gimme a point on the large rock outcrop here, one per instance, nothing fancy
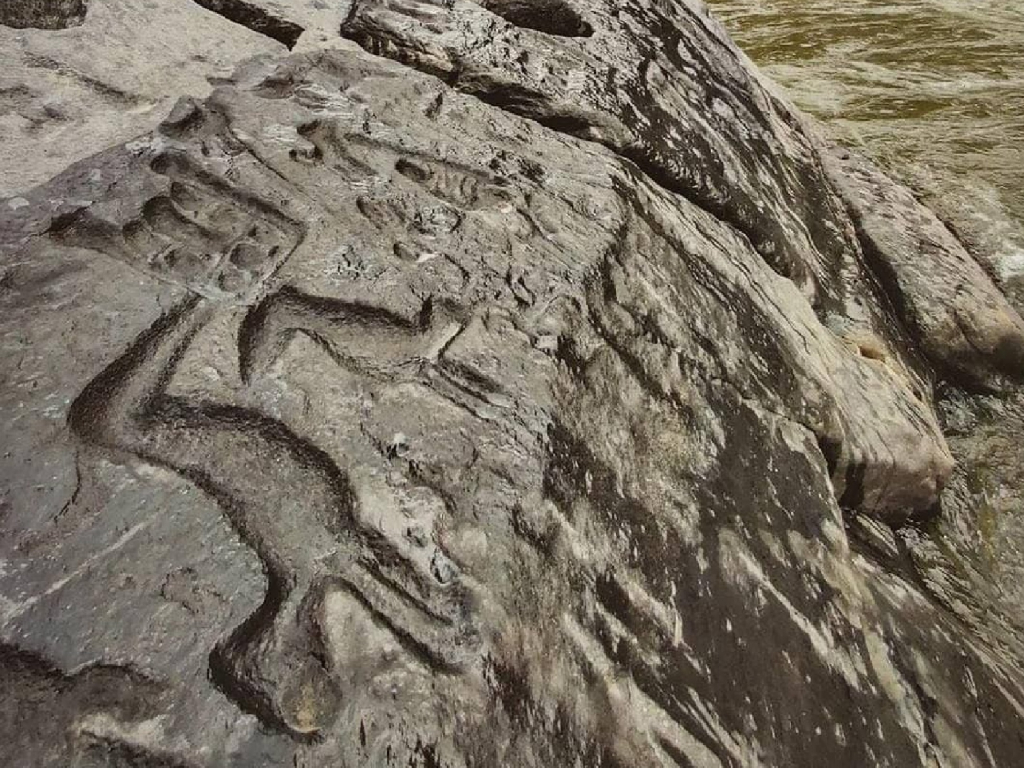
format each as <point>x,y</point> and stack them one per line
<point>510,385</point>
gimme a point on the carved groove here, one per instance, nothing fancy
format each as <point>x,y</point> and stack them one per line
<point>43,705</point>
<point>203,232</point>
<point>287,500</point>
<point>542,109</point>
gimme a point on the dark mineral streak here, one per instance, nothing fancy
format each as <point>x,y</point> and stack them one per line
<point>43,14</point>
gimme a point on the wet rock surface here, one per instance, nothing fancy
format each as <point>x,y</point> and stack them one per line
<point>959,317</point>
<point>513,384</point>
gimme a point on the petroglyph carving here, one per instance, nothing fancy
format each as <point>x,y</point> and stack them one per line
<point>288,500</point>
<point>201,232</point>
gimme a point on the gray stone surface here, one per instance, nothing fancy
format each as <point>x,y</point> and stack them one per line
<point>506,386</point>
<point>67,94</point>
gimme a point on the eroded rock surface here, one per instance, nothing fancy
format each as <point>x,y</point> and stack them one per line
<point>513,388</point>
<point>958,315</point>
<point>43,14</point>
<point>70,93</point>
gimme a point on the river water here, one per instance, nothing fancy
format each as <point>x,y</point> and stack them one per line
<point>932,89</point>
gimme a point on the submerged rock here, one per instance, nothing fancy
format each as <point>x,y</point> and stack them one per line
<point>496,391</point>
<point>958,316</point>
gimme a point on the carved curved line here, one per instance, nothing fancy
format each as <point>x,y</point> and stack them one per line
<point>126,408</point>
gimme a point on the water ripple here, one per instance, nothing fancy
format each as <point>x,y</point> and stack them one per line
<point>934,89</point>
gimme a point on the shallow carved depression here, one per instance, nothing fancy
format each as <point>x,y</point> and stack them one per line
<point>554,17</point>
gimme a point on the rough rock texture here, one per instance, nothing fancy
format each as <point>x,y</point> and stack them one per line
<point>513,388</point>
<point>67,94</point>
<point>43,14</point>
<point>963,322</point>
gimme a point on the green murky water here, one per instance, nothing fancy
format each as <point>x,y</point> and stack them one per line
<point>934,89</point>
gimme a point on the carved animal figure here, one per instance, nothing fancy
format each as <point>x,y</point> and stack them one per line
<point>291,503</point>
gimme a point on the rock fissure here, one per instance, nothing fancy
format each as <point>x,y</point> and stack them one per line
<point>537,106</point>
<point>257,18</point>
<point>554,17</point>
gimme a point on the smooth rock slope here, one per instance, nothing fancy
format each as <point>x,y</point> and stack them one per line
<point>503,383</point>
